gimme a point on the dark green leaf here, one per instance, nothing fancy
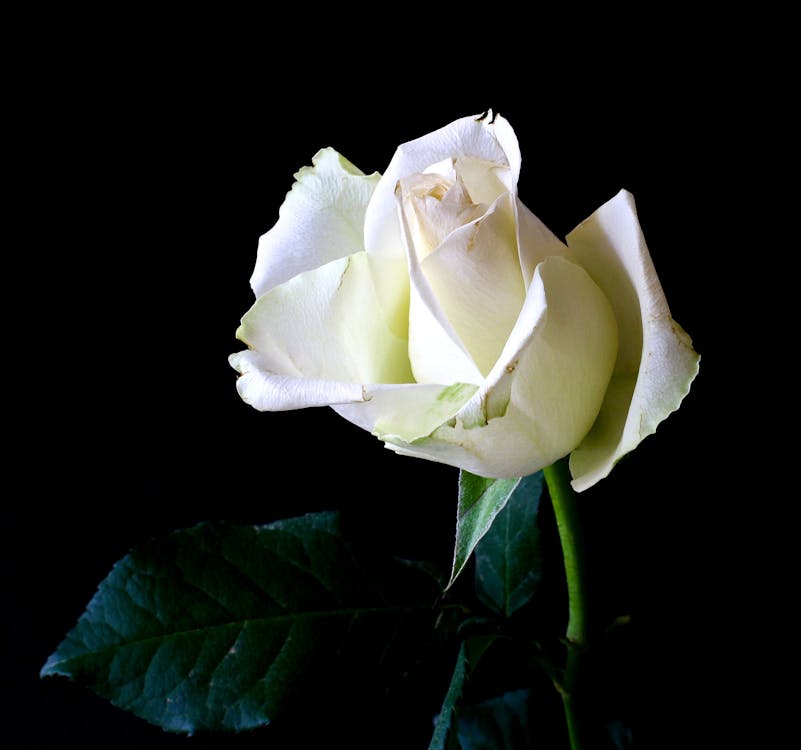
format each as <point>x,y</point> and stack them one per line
<point>444,721</point>
<point>470,653</point>
<point>508,558</point>
<point>497,723</point>
<point>217,626</point>
<point>480,501</point>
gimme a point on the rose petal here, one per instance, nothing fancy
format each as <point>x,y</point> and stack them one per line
<point>267,391</point>
<point>407,412</point>
<point>476,279</point>
<point>322,219</point>
<point>656,362</point>
<point>327,324</point>
<point>546,389</point>
<point>436,353</point>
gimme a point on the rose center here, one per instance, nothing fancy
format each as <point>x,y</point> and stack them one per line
<point>435,205</point>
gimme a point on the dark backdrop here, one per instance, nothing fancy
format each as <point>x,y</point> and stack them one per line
<point>146,184</point>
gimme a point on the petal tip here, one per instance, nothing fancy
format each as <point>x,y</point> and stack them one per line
<point>234,360</point>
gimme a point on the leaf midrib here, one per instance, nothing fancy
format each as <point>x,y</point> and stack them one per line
<point>272,619</point>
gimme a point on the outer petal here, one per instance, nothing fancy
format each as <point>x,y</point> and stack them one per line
<point>266,390</point>
<point>326,324</point>
<point>322,219</point>
<point>408,410</point>
<point>319,339</point>
<point>546,389</point>
<point>656,362</point>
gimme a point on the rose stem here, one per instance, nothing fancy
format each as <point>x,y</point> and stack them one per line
<point>565,508</point>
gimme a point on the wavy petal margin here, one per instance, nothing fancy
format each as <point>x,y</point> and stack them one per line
<point>656,362</point>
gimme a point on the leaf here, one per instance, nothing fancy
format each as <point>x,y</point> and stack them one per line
<point>218,626</point>
<point>498,722</point>
<point>508,557</point>
<point>444,721</point>
<point>470,653</point>
<point>480,500</point>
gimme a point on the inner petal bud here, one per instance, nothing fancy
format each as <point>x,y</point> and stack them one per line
<point>468,254</point>
<point>434,206</point>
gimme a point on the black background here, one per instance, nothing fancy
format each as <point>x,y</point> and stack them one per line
<point>145,179</point>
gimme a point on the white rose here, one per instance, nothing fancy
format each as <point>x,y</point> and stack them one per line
<point>432,308</point>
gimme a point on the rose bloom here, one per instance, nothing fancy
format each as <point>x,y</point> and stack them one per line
<point>432,308</point>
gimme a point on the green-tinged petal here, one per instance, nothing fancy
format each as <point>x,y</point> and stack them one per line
<point>407,412</point>
<point>545,391</point>
<point>322,219</point>
<point>327,325</point>
<point>656,363</point>
<point>475,277</point>
<point>403,411</point>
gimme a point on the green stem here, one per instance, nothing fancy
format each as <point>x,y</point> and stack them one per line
<point>565,508</point>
